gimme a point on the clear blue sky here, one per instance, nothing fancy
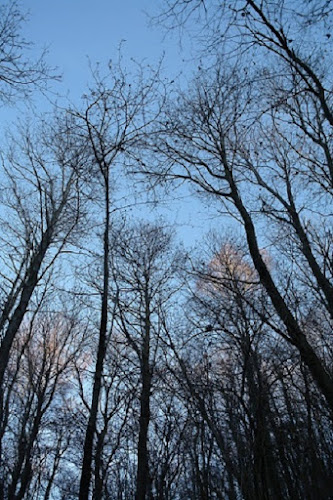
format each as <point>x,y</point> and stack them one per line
<point>75,30</point>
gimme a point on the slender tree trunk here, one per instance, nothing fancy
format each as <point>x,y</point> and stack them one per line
<point>143,467</point>
<point>55,467</point>
<point>91,426</point>
<point>23,471</point>
<point>142,481</point>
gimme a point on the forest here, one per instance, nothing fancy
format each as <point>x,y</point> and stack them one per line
<point>130,366</point>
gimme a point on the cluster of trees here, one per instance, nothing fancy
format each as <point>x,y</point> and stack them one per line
<point>129,368</point>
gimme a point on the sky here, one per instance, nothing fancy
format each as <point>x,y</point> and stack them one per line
<point>78,31</point>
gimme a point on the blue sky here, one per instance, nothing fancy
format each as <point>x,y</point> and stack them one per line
<point>76,31</point>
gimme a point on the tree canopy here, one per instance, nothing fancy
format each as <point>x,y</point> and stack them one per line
<point>132,366</point>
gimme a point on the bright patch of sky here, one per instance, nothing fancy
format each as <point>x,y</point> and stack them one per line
<point>78,31</point>
<point>75,30</point>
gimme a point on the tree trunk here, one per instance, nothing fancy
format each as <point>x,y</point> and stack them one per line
<point>28,288</point>
<point>91,427</point>
<point>296,335</point>
<point>142,481</point>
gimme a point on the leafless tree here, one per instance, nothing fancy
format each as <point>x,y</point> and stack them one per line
<point>117,115</point>
<point>41,208</point>
<point>246,150</point>
<point>20,74</point>
<point>144,274</point>
<point>34,428</point>
<point>246,390</point>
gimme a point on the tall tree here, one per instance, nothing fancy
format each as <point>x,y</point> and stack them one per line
<point>257,139</point>
<point>231,369</point>
<point>144,268</point>
<point>117,116</point>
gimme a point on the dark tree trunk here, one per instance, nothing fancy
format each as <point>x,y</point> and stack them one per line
<point>28,288</point>
<point>91,426</point>
<point>142,481</point>
<point>296,335</point>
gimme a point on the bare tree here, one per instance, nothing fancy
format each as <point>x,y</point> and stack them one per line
<point>246,391</point>
<point>233,145</point>
<point>42,207</point>
<point>39,382</point>
<point>19,74</point>
<point>117,115</point>
<point>144,269</point>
